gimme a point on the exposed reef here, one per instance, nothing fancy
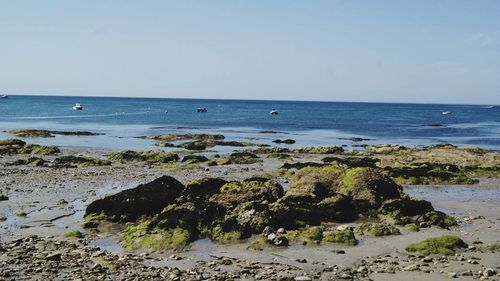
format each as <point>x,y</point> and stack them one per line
<point>167,214</point>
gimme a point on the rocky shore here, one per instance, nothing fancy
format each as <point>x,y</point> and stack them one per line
<point>258,213</point>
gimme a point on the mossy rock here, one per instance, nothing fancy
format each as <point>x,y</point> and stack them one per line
<point>149,156</point>
<point>32,162</point>
<point>353,162</point>
<point>413,227</point>
<point>194,159</point>
<point>45,150</point>
<point>10,142</point>
<point>141,235</point>
<point>244,158</point>
<point>71,161</point>
<point>176,137</point>
<point>345,236</point>
<point>443,245</point>
<point>74,234</point>
<point>313,234</point>
<point>319,150</point>
<point>31,133</point>
<point>436,218</point>
<point>219,235</point>
<point>231,187</point>
<point>93,220</point>
<point>3,197</point>
<point>377,229</point>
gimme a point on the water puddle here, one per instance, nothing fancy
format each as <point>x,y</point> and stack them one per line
<point>454,193</point>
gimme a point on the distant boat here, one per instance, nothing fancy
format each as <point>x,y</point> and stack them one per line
<point>201,109</point>
<point>77,106</point>
<point>273,112</point>
<point>4,96</point>
<point>446,112</point>
<point>488,106</point>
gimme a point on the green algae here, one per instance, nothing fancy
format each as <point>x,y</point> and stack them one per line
<point>443,245</point>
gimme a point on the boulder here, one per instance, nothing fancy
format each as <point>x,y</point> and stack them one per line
<point>145,200</point>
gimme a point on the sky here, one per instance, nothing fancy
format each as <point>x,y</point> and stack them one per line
<point>375,51</point>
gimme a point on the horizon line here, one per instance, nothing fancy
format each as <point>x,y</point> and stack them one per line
<point>244,99</point>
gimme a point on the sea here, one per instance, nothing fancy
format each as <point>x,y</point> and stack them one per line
<point>123,120</point>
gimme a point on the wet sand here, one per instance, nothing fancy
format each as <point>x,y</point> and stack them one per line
<point>49,202</point>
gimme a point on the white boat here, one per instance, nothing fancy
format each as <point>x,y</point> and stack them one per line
<point>4,96</point>
<point>77,106</point>
<point>446,112</point>
<point>488,106</point>
<point>273,112</point>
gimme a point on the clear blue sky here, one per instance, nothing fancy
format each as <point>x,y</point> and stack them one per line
<point>387,51</point>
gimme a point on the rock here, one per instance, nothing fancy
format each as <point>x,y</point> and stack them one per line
<point>286,141</point>
<point>452,274</point>
<point>146,199</point>
<point>54,257</point>
<point>243,158</point>
<point>176,137</point>
<point>194,159</point>
<point>488,272</point>
<point>70,161</point>
<point>148,156</point>
<point>411,267</point>
<point>377,229</point>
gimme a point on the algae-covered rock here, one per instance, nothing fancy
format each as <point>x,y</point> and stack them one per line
<point>353,162</point>
<point>16,142</point>
<point>70,161</point>
<point>243,158</point>
<point>368,187</point>
<point>32,161</point>
<point>377,229</point>
<point>194,158</point>
<point>31,133</point>
<point>145,200</point>
<point>285,141</point>
<point>345,236</point>
<point>176,137</point>
<point>435,218</point>
<point>429,173</point>
<point>230,211</point>
<point>312,234</point>
<point>149,156</point>
<point>35,133</point>
<point>3,197</point>
<point>74,234</point>
<point>15,146</point>
<point>141,235</point>
<point>386,148</point>
<point>443,245</point>
<point>319,150</point>
<point>40,149</point>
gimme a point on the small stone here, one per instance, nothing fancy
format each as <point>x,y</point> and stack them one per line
<point>452,274</point>
<point>488,272</point>
<point>54,257</point>
<point>303,278</point>
<point>411,267</point>
<point>301,260</point>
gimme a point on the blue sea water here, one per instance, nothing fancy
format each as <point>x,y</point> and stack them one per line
<point>310,123</point>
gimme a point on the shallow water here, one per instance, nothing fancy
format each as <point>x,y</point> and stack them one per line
<point>460,193</point>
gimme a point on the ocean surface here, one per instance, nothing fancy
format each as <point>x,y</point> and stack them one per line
<point>122,120</point>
